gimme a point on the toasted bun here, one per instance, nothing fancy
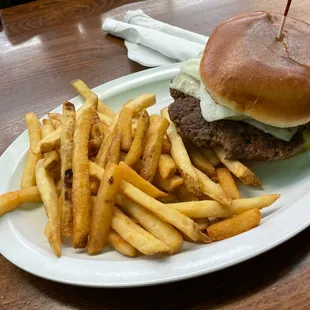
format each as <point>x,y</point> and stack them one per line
<point>245,68</point>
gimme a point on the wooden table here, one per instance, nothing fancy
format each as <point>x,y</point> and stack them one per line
<point>45,45</point>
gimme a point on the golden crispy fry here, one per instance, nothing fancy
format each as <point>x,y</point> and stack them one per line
<point>168,185</point>
<point>49,197</point>
<point>115,149</point>
<point>94,185</point>
<point>34,129</point>
<point>235,225</point>
<point>152,150</point>
<point>98,130</point>
<point>184,195</point>
<point>52,141</point>
<point>210,208</point>
<point>158,228</point>
<point>202,223</point>
<point>136,235</point>
<point>80,186</point>
<point>166,148</point>
<point>132,177</point>
<point>55,116</point>
<point>167,214</point>
<point>66,152</point>
<point>136,148</point>
<point>200,161</point>
<point>49,143</point>
<point>103,208</point>
<point>105,119</point>
<point>51,159</point>
<point>242,172</point>
<point>102,156</point>
<point>211,156</point>
<point>227,182</point>
<point>121,245</point>
<point>166,166</point>
<point>12,200</point>
<point>124,128</point>
<point>141,102</point>
<point>35,135</point>
<point>55,123</point>
<point>84,92</point>
<point>170,198</point>
<point>212,189</point>
<point>181,158</point>
<point>29,173</point>
<point>94,146</point>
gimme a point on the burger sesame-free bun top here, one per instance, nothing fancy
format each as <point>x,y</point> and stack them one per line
<point>245,68</point>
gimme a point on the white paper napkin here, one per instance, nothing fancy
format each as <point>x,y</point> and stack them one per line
<point>153,43</point>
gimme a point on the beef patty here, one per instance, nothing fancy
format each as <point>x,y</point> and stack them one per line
<point>239,139</point>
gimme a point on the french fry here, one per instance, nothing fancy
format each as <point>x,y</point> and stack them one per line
<point>51,159</point>
<point>202,223</point>
<point>52,141</point>
<point>158,228</point>
<point>103,208</point>
<point>166,148</point>
<point>170,198</point>
<point>200,161</point>
<point>94,186</point>
<point>105,119</point>
<point>55,116</point>
<point>124,128</point>
<point>102,156</point>
<point>35,135</point>
<point>98,130</point>
<point>184,195</point>
<point>49,197</point>
<point>235,225</point>
<point>166,166</point>
<point>84,92</point>
<point>168,185</point>
<point>66,152</point>
<point>115,149</point>
<point>181,158</point>
<point>212,189</point>
<point>210,208</point>
<point>152,150</point>
<point>29,172</point>
<point>167,214</point>
<point>242,172</point>
<point>141,102</point>
<point>227,182</point>
<point>80,185</point>
<point>132,177</point>
<point>94,146</point>
<point>12,200</point>
<point>55,123</point>
<point>134,234</point>
<point>34,129</point>
<point>136,148</point>
<point>211,156</point>
<point>121,245</point>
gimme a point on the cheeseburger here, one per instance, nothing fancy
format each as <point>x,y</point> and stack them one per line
<point>249,92</point>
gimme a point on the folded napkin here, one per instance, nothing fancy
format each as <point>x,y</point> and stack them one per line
<point>153,43</point>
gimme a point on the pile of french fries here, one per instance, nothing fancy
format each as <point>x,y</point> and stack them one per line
<point>128,179</point>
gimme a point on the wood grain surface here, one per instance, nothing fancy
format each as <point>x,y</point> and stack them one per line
<point>46,44</point>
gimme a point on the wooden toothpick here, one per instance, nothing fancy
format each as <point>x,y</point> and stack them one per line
<point>283,19</point>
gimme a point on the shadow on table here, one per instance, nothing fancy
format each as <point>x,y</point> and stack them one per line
<point>215,290</point>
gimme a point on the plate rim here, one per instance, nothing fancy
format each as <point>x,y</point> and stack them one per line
<point>107,90</point>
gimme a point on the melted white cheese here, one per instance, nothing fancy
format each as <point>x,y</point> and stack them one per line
<point>188,82</point>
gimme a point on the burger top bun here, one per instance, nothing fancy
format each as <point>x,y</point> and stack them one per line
<point>245,68</point>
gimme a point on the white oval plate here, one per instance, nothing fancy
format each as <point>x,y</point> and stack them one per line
<point>23,243</point>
